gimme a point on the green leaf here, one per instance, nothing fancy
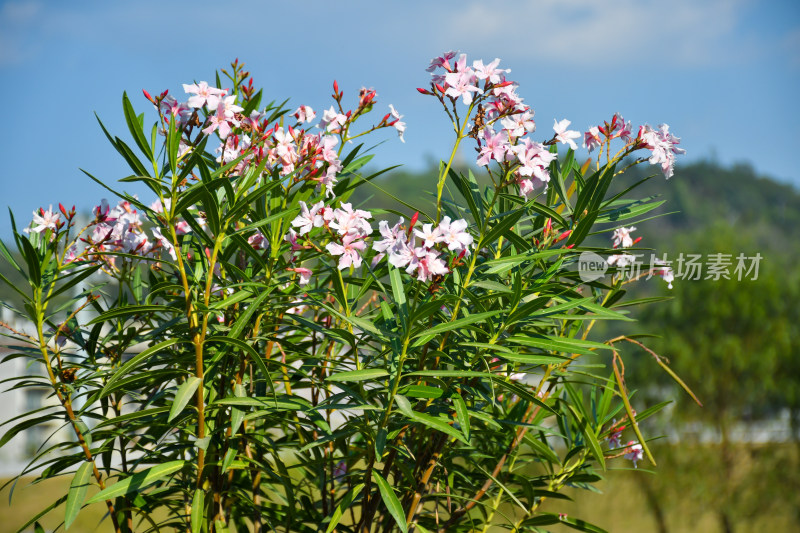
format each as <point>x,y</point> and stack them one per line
<point>359,375</point>
<point>501,227</point>
<point>138,481</point>
<point>534,359</point>
<point>230,455</point>
<point>589,435</point>
<point>433,422</point>
<point>492,286</point>
<point>558,344</point>
<point>456,324</point>
<point>183,395</point>
<point>391,501</point>
<point>343,506</point>
<point>131,310</point>
<point>255,357</point>
<point>135,127</point>
<point>462,413</point>
<point>198,510</point>
<point>77,492</point>
<point>398,292</point>
<point>136,360</point>
<point>244,319</point>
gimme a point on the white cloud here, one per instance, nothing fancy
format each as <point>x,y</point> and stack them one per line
<point>598,33</point>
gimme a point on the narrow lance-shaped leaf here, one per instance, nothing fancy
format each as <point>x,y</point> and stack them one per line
<point>391,501</point>
<point>138,481</point>
<point>183,395</point>
<point>77,492</point>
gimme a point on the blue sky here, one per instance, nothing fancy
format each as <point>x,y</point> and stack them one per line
<point>724,74</point>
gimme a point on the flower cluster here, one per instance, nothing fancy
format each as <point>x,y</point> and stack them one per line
<point>120,230</point>
<point>502,119</point>
<point>622,238</point>
<point>419,250</point>
<point>290,149</point>
<point>424,257</point>
<point>661,143</point>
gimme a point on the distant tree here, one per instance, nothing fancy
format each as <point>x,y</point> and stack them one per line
<point>733,341</point>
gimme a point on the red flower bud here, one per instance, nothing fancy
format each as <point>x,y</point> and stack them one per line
<point>147,95</point>
<point>413,222</point>
<point>562,236</point>
<point>423,91</point>
<point>335,87</point>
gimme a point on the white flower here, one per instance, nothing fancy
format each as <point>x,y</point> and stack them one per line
<point>565,136</point>
<point>622,236</point>
<point>44,220</point>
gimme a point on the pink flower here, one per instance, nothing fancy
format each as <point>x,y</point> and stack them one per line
<point>305,275</point>
<point>170,106</point>
<point>258,241</point>
<point>526,188</point>
<point>519,124</point>
<point>495,147</point>
<point>403,254</point>
<point>428,235</point>
<point>182,227</point>
<point>614,438</point>
<point>622,236</point>
<point>332,121</point>
<point>101,211</point>
<point>390,236</point>
<point>351,222</point>
<point>634,452</point>
<point>565,136</point>
<point>663,145</point>
<point>533,159</point>
<point>429,264</point>
<point>460,84</point>
<point>442,61</point>
<point>290,237</point>
<point>164,243</point>
<point>308,218</point>
<point>71,254</point>
<point>348,250</point>
<point>305,114</point>
<point>222,121</point>
<point>455,234</point>
<point>203,95</point>
<point>489,72</point>
<point>229,106</point>
<point>591,139</point>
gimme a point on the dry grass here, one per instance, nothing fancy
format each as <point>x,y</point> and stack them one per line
<point>759,492</point>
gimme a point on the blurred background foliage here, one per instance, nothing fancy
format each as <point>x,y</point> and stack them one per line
<point>733,464</point>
